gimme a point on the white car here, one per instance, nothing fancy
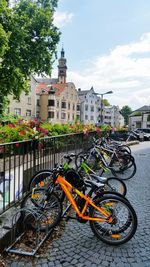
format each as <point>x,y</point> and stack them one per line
<point>145,131</point>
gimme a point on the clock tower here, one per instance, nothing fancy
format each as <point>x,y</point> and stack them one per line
<point>62,68</point>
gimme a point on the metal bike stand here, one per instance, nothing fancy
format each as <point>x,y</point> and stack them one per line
<point>36,215</point>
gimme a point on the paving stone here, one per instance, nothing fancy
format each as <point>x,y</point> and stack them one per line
<point>44,265</point>
<point>78,247</point>
<point>14,264</point>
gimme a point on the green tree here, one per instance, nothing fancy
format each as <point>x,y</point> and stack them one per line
<point>30,41</point>
<point>105,102</point>
<point>4,36</point>
<point>126,111</point>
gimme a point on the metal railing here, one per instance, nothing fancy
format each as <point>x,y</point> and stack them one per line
<point>20,160</point>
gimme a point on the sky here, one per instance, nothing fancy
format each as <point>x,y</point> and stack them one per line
<point>107,46</point>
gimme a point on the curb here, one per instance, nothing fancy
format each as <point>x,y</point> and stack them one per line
<point>131,143</point>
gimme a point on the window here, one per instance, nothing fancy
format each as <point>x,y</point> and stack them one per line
<point>78,107</point>
<point>51,114</point>
<point>68,105</point>
<point>37,114</point>
<point>29,100</point>
<point>68,116</point>
<point>38,102</point>
<point>86,117</point>
<point>63,116</point>
<point>92,118</point>
<point>78,117</point>
<point>57,104</point>
<point>92,108</point>
<point>28,112</point>
<point>73,107</point>
<point>73,116</point>
<point>63,104</point>
<point>51,103</point>
<point>17,111</point>
<point>107,117</point>
<point>86,107</point>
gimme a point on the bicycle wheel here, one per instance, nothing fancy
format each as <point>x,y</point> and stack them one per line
<point>114,184</point>
<point>124,148</point>
<point>121,161</point>
<point>52,209</point>
<point>124,173</point>
<point>124,220</point>
<point>123,167</point>
<point>45,178</point>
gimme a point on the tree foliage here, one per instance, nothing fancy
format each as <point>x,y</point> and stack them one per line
<point>126,111</point>
<point>148,117</point>
<point>29,40</point>
<point>105,102</point>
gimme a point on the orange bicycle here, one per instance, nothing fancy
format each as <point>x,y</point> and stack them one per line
<point>112,218</point>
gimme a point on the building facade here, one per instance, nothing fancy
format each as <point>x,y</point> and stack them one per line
<point>112,116</point>
<point>26,106</point>
<point>89,106</point>
<point>58,103</point>
<point>140,118</point>
<point>57,100</point>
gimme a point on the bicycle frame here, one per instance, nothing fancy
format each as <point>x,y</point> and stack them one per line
<point>67,187</point>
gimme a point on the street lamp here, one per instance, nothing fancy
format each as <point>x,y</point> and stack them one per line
<point>101,95</point>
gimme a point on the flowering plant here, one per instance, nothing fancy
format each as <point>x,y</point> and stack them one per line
<point>34,129</point>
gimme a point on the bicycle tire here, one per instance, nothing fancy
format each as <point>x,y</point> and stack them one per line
<point>53,215</point>
<point>119,234</point>
<point>125,174</point>
<point>115,184</point>
<point>45,176</point>
<point>122,161</point>
<point>124,148</point>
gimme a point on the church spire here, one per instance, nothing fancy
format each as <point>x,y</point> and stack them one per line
<point>62,67</point>
<point>62,53</point>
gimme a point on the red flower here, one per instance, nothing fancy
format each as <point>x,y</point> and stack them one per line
<point>22,132</point>
<point>11,125</point>
<point>17,145</point>
<point>99,131</point>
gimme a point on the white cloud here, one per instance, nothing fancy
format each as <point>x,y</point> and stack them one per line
<point>62,18</point>
<point>125,70</point>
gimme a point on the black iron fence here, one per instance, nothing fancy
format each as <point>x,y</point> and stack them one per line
<point>20,160</point>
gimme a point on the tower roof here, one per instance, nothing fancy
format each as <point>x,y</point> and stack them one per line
<point>62,53</point>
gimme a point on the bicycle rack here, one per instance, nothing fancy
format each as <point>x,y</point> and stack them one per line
<point>38,237</point>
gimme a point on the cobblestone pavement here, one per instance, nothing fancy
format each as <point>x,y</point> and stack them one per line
<point>79,247</point>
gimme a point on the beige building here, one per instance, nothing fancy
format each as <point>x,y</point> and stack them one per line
<point>26,107</point>
<point>58,103</point>
<point>57,100</point>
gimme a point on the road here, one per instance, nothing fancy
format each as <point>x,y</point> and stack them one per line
<point>78,247</point>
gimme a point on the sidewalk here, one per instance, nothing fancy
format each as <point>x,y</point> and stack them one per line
<point>78,247</point>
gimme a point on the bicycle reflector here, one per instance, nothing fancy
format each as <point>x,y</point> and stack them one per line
<point>74,178</point>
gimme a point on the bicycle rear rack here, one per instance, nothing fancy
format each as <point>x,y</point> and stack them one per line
<point>24,240</point>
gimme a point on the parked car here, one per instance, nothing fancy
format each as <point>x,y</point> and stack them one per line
<point>142,133</point>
